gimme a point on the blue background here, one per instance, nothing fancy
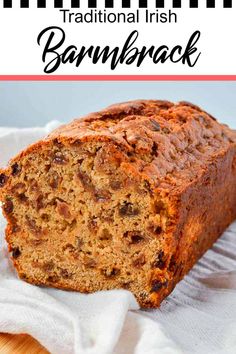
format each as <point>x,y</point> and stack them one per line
<point>25,104</point>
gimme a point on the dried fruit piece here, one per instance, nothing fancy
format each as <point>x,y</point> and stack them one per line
<point>57,143</point>
<point>128,209</point>
<point>155,149</point>
<point>159,262</point>
<point>139,261</point>
<point>22,198</point>
<point>19,188</point>
<point>15,169</point>
<point>115,185</point>
<point>159,206</point>
<point>54,180</point>
<point>47,167</point>
<point>39,202</point>
<point>134,237</point>
<point>102,195</point>
<point>158,230</point>
<point>155,229</point>
<point>85,180</point>
<point>172,265</point>
<point>63,209</point>
<point>16,252</point>
<point>3,179</point>
<point>59,159</point>
<point>8,206</point>
<point>32,226</point>
<point>157,285</point>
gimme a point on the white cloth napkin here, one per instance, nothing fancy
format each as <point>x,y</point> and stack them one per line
<point>199,317</point>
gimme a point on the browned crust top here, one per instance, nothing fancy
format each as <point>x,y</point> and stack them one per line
<point>169,144</point>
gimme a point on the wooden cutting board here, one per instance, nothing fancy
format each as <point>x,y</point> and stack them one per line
<point>20,344</point>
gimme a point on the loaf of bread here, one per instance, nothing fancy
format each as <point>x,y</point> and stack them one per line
<point>129,197</point>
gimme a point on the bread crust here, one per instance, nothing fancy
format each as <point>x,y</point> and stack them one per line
<point>184,155</point>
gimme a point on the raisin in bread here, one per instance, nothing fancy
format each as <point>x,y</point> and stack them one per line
<point>129,197</point>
